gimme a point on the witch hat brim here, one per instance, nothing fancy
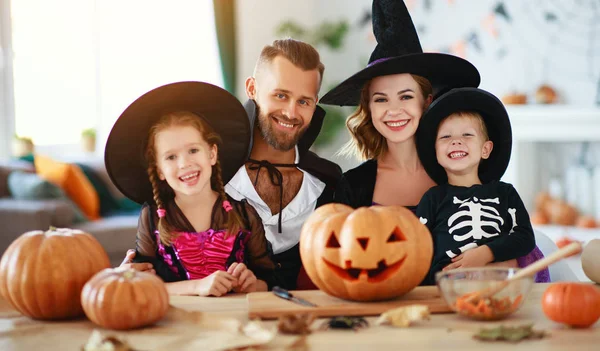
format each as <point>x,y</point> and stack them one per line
<point>495,117</point>
<point>442,70</point>
<point>124,155</point>
<point>398,50</point>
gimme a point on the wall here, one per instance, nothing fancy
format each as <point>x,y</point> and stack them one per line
<point>513,43</point>
<point>6,82</point>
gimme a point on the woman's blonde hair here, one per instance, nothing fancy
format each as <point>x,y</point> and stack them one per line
<point>366,142</point>
<point>162,191</point>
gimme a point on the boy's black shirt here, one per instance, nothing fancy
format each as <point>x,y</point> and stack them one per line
<point>490,214</point>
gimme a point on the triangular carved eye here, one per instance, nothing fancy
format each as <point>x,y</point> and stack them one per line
<point>396,235</point>
<point>332,242</point>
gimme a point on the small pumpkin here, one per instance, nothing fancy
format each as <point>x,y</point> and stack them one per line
<point>587,222</point>
<point>590,260</point>
<point>124,299</point>
<point>574,304</point>
<point>42,273</point>
<point>542,200</point>
<point>539,218</point>
<point>368,254</point>
<point>562,213</point>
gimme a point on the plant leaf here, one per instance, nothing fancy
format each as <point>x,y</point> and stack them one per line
<point>511,334</point>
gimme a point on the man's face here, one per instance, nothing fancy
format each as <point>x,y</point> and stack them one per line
<point>286,97</point>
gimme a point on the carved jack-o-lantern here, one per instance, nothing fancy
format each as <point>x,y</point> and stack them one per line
<point>368,254</point>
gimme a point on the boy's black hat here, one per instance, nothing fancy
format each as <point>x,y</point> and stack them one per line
<point>496,120</point>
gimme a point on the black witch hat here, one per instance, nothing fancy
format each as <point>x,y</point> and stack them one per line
<point>398,51</point>
<point>125,148</point>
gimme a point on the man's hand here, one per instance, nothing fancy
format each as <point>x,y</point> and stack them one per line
<point>142,267</point>
<point>477,257</point>
<point>246,280</point>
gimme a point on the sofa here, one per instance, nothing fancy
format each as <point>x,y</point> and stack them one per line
<point>18,214</point>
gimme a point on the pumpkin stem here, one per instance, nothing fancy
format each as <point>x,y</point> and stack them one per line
<point>129,274</point>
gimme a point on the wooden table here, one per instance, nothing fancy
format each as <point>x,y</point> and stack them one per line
<point>441,332</point>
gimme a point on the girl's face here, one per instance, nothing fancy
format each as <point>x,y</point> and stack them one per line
<point>460,146</point>
<point>184,160</point>
<point>396,103</point>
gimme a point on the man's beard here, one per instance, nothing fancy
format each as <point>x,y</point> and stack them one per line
<point>277,139</point>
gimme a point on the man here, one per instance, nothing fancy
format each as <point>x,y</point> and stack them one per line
<point>282,180</point>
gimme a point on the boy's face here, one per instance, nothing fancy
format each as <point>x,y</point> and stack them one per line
<point>286,97</point>
<point>460,145</point>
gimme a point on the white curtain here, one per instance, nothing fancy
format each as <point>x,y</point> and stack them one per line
<point>79,63</point>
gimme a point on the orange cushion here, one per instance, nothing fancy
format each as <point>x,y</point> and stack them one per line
<point>73,181</point>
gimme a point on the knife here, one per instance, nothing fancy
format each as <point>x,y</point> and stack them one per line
<point>284,294</point>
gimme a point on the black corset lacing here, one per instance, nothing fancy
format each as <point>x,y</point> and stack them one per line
<point>275,176</point>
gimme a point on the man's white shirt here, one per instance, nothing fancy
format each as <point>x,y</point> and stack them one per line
<point>293,215</point>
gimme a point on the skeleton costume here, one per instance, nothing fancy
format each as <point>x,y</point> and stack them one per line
<point>492,213</point>
<point>463,218</point>
<point>191,254</point>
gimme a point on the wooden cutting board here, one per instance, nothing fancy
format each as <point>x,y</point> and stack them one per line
<point>266,305</point>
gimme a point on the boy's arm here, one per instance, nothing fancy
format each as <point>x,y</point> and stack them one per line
<point>426,214</point>
<point>520,240</point>
<point>426,211</point>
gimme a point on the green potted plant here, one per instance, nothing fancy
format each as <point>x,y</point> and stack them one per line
<point>88,140</point>
<point>22,147</point>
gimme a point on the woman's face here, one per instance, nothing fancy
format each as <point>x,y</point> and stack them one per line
<point>396,103</point>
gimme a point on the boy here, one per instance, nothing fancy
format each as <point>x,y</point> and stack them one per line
<point>464,142</point>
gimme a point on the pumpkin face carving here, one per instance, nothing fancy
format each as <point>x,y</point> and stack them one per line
<point>368,254</point>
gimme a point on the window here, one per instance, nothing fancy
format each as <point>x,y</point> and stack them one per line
<point>79,63</point>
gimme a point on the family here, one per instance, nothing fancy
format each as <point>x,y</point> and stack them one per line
<point>226,187</point>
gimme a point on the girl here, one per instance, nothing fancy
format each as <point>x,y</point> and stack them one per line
<point>198,240</point>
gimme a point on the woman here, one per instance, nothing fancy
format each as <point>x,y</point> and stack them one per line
<point>392,93</point>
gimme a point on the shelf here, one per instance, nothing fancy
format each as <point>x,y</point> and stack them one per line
<point>562,123</point>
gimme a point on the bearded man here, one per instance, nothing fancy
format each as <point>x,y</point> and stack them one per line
<point>282,179</point>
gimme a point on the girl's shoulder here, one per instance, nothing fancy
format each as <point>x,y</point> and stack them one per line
<point>248,213</point>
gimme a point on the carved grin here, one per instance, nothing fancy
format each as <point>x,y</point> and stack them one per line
<point>374,275</point>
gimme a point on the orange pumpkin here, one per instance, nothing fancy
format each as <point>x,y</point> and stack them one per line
<point>368,254</point>
<point>539,218</point>
<point>574,304</point>
<point>124,299</point>
<point>42,273</point>
<point>586,222</point>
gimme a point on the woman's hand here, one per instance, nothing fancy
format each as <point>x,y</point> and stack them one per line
<point>246,280</point>
<point>142,267</point>
<point>217,284</point>
<point>477,257</point>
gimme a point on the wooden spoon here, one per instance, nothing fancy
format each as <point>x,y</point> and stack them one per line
<point>530,270</point>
